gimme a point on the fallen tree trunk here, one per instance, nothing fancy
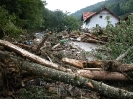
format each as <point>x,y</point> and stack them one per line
<point>31,56</point>
<point>102,75</point>
<point>110,65</point>
<point>73,79</point>
<point>105,65</point>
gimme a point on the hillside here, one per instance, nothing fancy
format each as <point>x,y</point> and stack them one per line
<point>119,7</point>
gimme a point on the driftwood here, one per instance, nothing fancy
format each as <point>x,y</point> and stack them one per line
<point>31,56</point>
<point>73,79</point>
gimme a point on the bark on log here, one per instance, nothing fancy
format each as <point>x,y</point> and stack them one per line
<point>74,79</point>
<point>31,56</point>
<point>102,75</point>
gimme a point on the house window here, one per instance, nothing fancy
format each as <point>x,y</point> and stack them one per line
<point>100,17</point>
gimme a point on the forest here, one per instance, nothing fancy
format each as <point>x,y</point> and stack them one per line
<point>119,7</point>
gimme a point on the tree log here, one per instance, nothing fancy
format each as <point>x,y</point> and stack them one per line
<point>73,62</point>
<point>102,75</point>
<point>31,56</point>
<point>110,65</point>
<point>73,79</point>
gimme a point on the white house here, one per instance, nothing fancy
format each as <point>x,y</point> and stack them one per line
<point>93,19</point>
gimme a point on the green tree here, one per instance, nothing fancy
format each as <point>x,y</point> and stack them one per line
<point>72,23</point>
<point>7,24</point>
<point>58,21</point>
<point>31,13</point>
<point>28,12</point>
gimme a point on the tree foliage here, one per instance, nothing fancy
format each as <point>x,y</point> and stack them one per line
<point>7,24</point>
<point>119,41</point>
<point>31,15</point>
<point>59,21</point>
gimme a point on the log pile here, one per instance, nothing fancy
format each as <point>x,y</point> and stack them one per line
<point>19,65</point>
<point>90,38</point>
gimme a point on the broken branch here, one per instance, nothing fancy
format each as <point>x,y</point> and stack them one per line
<point>31,56</point>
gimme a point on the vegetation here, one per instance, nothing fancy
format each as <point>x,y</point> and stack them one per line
<point>58,21</point>
<point>19,16</point>
<point>7,24</point>
<point>120,39</point>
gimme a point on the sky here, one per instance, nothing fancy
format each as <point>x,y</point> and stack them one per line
<point>69,5</point>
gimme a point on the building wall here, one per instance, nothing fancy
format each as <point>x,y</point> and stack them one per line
<point>100,19</point>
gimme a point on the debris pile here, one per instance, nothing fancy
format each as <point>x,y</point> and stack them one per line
<point>60,69</point>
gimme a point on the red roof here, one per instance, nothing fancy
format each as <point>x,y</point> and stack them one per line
<point>87,15</point>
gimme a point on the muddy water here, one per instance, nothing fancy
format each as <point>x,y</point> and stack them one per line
<point>88,47</point>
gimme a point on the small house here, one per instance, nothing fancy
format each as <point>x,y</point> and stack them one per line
<point>93,19</point>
